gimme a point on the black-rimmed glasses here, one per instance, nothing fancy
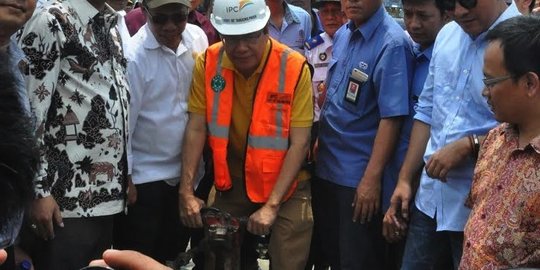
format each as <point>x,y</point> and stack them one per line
<point>490,82</point>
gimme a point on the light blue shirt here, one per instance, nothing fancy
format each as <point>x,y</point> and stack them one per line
<point>295,28</point>
<point>380,49</point>
<point>452,104</point>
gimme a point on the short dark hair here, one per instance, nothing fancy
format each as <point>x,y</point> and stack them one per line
<point>440,4</point>
<point>520,43</point>
<point>19,156</point>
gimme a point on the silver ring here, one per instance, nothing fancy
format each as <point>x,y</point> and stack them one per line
<point>397,233</point>
<point>33,226</point>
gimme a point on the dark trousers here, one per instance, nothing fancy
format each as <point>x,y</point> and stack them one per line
<point>345,244</point>
<point>426,248</point>
<point>74,246</point>
<point>152,225</point>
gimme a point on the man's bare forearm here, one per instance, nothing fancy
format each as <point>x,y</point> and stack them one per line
<point>414,158</point>
<point>383,147</point>
<point>192,149</point>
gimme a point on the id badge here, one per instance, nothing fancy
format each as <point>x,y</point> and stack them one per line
<point>356,80</point>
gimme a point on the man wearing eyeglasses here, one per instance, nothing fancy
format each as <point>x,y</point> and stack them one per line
<point>76,82</point>
<point>450,121</point>
<point>503,228</point>
<point>251,96</point>
<point>161,59</point>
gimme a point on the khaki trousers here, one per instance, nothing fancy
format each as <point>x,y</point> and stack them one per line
<point>291,232</point>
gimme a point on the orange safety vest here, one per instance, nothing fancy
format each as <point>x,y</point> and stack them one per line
<point>268,138</point>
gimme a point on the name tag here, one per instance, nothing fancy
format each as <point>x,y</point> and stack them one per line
<point>356,80</point>
<point>279,98</point>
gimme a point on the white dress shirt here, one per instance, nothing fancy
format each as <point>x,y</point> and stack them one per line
<point>160,79</point>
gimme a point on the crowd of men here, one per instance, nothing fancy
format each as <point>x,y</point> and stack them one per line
<point>352,142</point>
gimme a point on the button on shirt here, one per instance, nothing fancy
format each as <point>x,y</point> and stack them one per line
<point>319,57</point>
<point>160,80</point>
<point>452,104</point>
<point>381,49</point>
<point>295,28</point>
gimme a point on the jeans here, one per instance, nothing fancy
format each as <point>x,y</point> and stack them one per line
<point>426,248</point>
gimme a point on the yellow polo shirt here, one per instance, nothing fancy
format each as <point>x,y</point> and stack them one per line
<point>244,90</point>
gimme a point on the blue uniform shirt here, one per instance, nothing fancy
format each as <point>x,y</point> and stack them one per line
<point>295,28</point>
<point>452,104</point>
<point>421,66</point>
<point>381,49</point>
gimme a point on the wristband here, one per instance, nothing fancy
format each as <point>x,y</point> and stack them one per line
<point>476,148</point>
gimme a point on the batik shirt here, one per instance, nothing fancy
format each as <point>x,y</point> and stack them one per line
<point>76,83</point>
<point>503,230</point>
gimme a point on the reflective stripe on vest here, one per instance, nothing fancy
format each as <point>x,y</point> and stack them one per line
<point>213,127</point>
<point>268,138</point>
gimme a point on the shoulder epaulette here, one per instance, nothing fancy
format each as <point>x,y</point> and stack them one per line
<point>314,42</point>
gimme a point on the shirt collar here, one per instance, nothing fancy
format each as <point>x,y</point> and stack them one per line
<point>512,134</point>
<point>228,64</point>
<point>289,16</point>
<point>422,54</point>
<point>368,28</point>
<point>150,42</point>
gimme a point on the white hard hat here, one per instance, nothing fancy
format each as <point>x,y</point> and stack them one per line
<point>239,17</point>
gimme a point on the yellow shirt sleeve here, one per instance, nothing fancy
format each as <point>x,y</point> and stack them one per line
<point>197,95</point>
<point>302,107</point>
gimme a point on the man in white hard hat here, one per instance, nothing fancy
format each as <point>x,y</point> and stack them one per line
<point>251,99</point>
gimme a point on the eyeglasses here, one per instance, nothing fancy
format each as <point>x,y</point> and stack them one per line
<point>249,39</point>
<point>468,4</point>
<point>162,19</point>
<point>489,83</point>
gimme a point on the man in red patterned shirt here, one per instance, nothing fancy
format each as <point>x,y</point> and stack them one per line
<point>503,230</point>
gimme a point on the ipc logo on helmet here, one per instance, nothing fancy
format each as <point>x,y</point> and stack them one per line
<point>241,5</point>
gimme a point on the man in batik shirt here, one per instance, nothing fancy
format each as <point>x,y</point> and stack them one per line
<point>503,230</point>
<point>76,83</point>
